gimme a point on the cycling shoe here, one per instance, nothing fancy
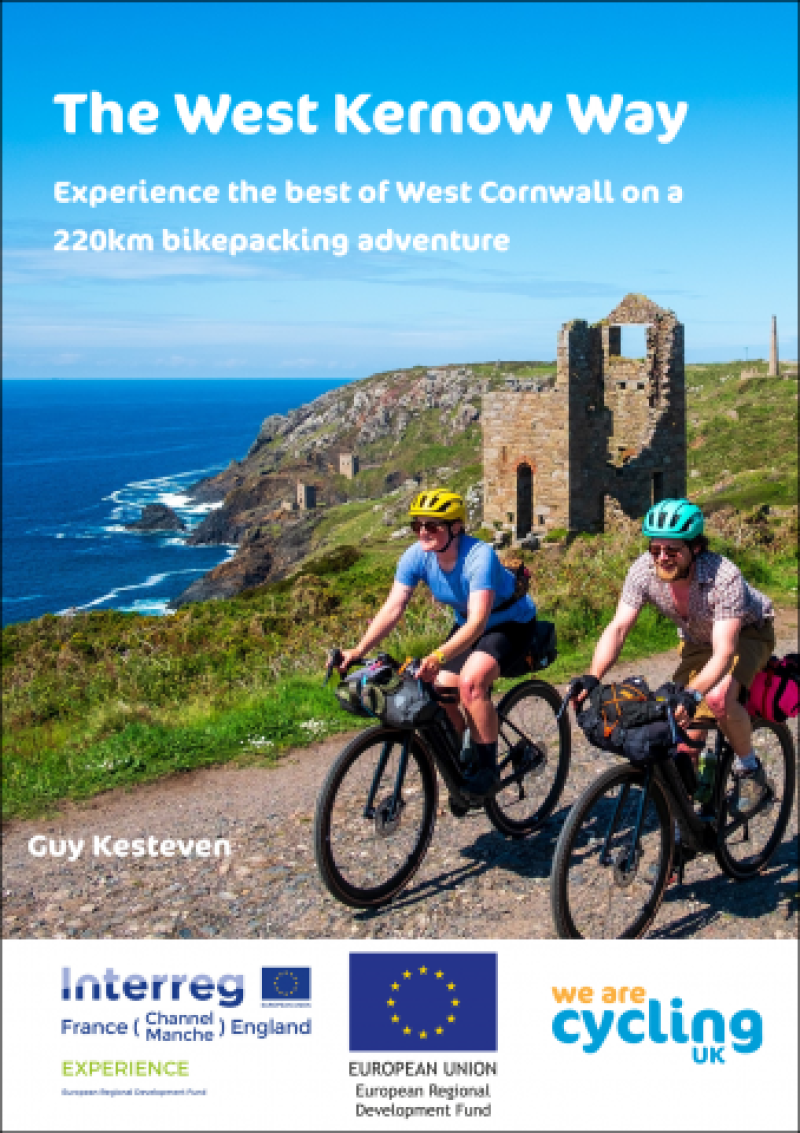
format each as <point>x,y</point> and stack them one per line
<point>481,784</point>
<point>750,789</point>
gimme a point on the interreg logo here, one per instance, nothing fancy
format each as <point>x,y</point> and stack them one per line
<point>708,1032</point>
<point>229,989</point>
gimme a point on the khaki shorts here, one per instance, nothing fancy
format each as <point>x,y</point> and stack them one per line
<point>754,648</point>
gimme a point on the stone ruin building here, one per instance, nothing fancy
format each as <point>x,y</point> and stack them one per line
<point>348,465</point>
<point>607,439</point>
<point>306,497</point>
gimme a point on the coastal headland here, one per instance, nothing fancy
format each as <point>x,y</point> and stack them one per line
<point>101,699</point>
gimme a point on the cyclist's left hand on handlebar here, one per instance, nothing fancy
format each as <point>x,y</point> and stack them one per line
<point>429,668</point>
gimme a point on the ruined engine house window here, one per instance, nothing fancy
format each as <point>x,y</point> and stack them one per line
<point>634,341</point>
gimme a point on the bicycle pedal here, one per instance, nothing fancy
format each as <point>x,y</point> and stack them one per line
<point>458,810</point>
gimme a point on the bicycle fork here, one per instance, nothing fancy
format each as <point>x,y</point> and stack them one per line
<point>369,808</point>
<point>632,858</point>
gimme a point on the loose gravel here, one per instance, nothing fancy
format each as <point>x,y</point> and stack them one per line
<point>474,883</point>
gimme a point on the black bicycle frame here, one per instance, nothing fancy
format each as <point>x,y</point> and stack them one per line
<point>440,745</point>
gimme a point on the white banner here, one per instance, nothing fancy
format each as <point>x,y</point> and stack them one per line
<point>301,1035</point>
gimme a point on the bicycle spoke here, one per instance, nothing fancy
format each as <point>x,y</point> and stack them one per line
<point>610,884</point>
<point>750,838</point>
<point>533,759</point>
<point>369,846</point>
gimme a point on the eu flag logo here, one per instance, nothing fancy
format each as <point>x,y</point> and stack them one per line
<point>282,984</point>
<point>423,1001</point>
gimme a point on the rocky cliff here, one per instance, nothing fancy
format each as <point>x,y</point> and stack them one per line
<point>393,421</point>
<point>157,517</point>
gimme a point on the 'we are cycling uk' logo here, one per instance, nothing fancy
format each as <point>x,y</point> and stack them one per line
<point>709,1034</point>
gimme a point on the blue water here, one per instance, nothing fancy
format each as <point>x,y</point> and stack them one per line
<point>81,458</point>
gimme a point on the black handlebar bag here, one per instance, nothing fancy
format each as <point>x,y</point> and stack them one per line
<point>626,718</point>
<point>397,699</point>
<point>403,702</point>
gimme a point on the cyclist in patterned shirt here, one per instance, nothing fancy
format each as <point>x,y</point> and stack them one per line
<point>725,625</point>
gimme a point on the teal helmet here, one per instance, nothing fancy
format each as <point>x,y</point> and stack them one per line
<point>676,519</point>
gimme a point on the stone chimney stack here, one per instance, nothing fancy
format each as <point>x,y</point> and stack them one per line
<point>773,350</point>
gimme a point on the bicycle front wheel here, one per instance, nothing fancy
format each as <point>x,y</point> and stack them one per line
<point>537,748</point>
<point>747,842</point>
<point>375,817</point>
<point>602,886</point>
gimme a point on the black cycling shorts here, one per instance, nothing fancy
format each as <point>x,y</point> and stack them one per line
<point>506,642</point>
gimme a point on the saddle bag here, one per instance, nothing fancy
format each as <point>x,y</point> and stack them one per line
<point>775,691</point>
<point>540,651</point>
<point>626,718</point>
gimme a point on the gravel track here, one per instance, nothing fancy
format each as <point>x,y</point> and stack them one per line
<point>474,883</point>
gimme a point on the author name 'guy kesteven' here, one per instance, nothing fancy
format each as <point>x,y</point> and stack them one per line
<point>107,846</point>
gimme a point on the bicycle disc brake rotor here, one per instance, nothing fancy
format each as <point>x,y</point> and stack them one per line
<point>387,817</point>
<point>623,874</point>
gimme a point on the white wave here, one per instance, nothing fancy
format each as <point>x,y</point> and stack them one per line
<point>173,499</point>
<point>172,543</point>
<point>115,527</point>
<point>201,509</point>
<point>153,580</point>
<point>25,598</point>
<point>152,607</point>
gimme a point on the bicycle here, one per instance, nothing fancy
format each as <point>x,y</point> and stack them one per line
<point>377,808</point>
<point>614,856</point>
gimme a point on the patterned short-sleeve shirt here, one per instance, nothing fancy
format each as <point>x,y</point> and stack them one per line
<point>718,591</point>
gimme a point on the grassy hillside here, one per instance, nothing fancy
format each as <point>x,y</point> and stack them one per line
<point>106,699</point>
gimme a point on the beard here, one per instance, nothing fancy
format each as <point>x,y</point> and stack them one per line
<point>673,573</point>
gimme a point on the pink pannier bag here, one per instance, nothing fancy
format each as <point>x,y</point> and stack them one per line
<point>775,692</point>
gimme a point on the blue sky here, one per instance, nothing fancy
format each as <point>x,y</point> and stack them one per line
<point>724,259</point>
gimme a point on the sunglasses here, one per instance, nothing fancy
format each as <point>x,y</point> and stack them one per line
<point>432,526</point>
<point>657,550</point>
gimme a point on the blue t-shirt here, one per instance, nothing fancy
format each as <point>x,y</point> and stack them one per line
<point>477,568</point>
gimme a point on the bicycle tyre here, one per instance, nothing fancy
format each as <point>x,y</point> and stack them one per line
<point>535,701</point>
<point>780,767</point>
<point>568,922</point>
<point>344,871</point>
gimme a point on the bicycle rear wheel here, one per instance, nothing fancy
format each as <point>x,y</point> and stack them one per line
<point>539,749</point>
<point>601,887</point>
<point>375,817</point>
<point>746,843</point>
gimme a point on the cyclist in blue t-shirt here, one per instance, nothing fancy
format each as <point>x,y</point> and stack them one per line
<point>491,628</point>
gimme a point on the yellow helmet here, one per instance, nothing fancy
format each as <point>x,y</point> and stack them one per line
<point>438,503</point>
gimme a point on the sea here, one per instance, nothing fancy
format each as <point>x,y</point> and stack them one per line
<point>82,458</point>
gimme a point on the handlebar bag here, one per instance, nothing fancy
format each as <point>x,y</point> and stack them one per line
<point>626,718</point>
<point>402,702</point>
<point>350,691</point>
<point>775,691</point>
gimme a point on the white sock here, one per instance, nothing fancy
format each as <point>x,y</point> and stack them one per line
<point>745,763</point>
